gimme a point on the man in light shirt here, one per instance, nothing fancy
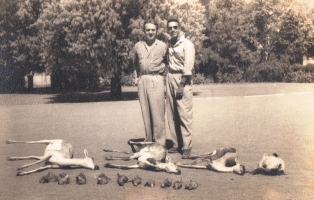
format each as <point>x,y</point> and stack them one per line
<point>181,57</point>
<point>149,63</point>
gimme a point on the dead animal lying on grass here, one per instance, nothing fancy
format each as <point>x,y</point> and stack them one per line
<point>58,154</point>
<point>166,183</point>
<point>50,177</point>
<point>192,185</point>
<point>150,183</point>
<point>177,185</point>
<point>122,179</point>
<point>137,181</point>
<point>102,179</point>
<point>150,155</point>
<point>271,165</point>
<point>220,160</point>
<point>64,179</point>
<point>81,179</point>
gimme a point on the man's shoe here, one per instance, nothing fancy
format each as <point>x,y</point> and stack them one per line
<point>186,153</point>
<point>173,150</point>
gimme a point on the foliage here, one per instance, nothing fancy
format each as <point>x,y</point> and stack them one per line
<point>300,74</point>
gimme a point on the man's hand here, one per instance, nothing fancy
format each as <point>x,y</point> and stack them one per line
<point>180,88</point>
<point>179,91</point>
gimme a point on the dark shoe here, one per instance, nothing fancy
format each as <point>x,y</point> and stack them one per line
<point>173,150</point>
<point>186,153</point>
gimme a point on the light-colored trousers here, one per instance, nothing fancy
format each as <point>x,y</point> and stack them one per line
<point>179,112</point>
<point>151,93</point>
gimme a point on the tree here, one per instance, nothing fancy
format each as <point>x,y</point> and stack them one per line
<point>18,39</point>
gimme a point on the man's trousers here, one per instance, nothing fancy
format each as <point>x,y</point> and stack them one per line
<point>179,112</point>
<point>151,92</point>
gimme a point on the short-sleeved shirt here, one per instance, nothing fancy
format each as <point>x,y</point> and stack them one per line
<point>181,56</point>
<point>148,60</point>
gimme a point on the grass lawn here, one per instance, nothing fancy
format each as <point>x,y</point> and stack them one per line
<point>253,118</point>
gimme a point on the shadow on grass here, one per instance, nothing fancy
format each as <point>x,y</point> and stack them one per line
<point>99,95</point>
<point>85,97</point>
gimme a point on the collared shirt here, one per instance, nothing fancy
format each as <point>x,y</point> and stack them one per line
<point>149,59</point>
<point>182,56</point>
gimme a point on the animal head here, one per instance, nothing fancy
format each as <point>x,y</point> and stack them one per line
<point>171,167</point>
<point>88,162</point>
<point>270,165</point>
<point>238,169</point>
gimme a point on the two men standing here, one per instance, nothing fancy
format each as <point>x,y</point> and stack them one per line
<point>150,60</point>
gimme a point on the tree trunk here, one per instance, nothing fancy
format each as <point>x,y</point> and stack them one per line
<point>116,89</point>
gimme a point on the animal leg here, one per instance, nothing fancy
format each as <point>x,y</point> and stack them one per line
<point>135,155</point>
<point>31,142</point>
<point>38,170</point>
<point>44,158</point>
<point>108,165</point>
<point>192,166</point>
<point>118,158</point>
<point>111,150</point>
<point>24,158</point>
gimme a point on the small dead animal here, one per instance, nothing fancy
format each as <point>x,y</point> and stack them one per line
<point>81,179</point>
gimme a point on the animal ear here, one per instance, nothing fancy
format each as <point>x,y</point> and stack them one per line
<point>152,161</point>
<point>237,160</point>
<point>276,155</point>
<point>279,166</point>
<point>85,153</point>
<point>168,159</point>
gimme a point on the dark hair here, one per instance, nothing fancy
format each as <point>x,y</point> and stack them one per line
<point>173,20</point>
<point>150,21</point>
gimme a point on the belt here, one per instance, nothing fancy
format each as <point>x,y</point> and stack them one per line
<point>150,73</point>
<point>171,71</point>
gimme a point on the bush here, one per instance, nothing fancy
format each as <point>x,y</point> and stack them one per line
<point>128,80</point>
<point>230,74</point>
<point>201,79</point>
<point>300,74</point>
<point>271,71</point>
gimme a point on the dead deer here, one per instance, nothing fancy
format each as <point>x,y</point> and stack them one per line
<point>58,154</point>
<point>270,165</point>
<point>150,155</point>
<point>220,160</point>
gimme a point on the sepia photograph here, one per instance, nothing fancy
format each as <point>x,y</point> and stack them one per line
<point>157,99</point>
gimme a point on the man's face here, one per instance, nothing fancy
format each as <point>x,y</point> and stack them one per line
<point>150,31</point>
<point>173,29</point>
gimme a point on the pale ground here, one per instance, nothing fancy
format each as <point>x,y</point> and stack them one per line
<point>253,118</point>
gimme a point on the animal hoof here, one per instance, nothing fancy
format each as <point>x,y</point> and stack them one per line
<point>108,165</point>
<point>9,159</point>
<point>109,158</point>
<point>8,141</point>
<point>19,174</point>
<point>96,167</point>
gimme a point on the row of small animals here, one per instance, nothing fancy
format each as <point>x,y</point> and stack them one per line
<point>102,179</point>
<point>150,155</point>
